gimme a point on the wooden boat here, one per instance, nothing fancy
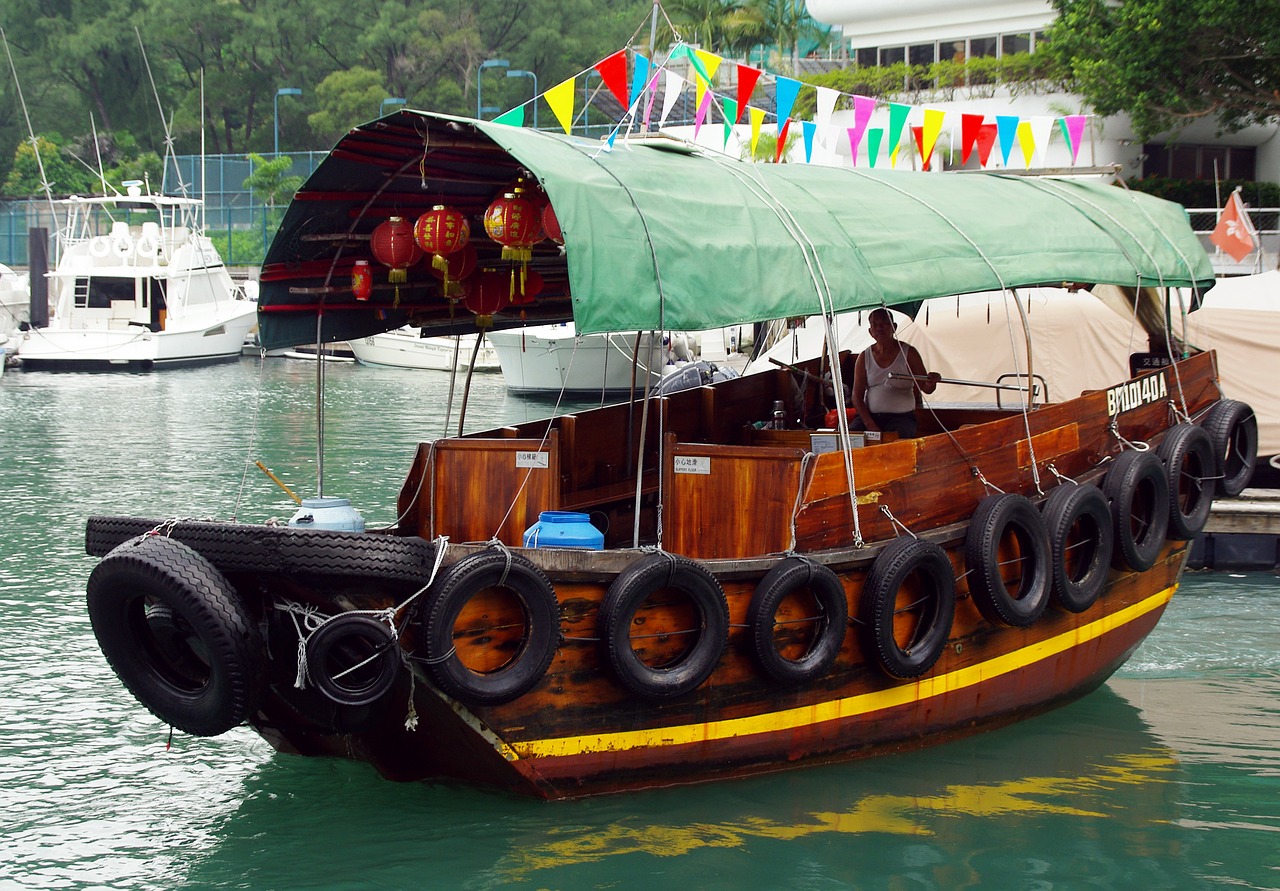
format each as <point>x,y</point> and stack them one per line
<point>762,598</point>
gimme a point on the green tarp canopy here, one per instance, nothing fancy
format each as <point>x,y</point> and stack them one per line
<point>659,235</point>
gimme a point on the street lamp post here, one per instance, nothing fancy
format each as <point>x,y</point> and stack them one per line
<point>520,73</point>
<point>487,63</point>
<point>275,112</point>
<point>382,109</point>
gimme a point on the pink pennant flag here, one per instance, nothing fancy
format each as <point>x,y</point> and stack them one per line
<point>613,70</point>
<point>1074,124</point>
<point>862,108</point>
<point>701,114</point>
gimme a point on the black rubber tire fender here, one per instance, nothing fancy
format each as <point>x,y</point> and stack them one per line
<point>892,569</point>
<point>219,678</point>
<point>1138,491</point>
<point>792,575</point>
<point>353,659</point>
<point>633,586</point>
<point>1190,466</point>
<point>1081,542</point>
<point>1233,429</point>
<point>492,568</point>
<point>248,547</point>
<point>996,517</point>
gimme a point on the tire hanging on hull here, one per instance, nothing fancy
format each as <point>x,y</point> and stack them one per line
<point>907,640</point>
<point>1007,530</point>
<point>796,576</point>
<point>619,613</point>
<point>1233,428</point>
<point>505,580</point>
<point>1139,495</point>
<point>1081,542</point>
<point>1190,465</point>
<point>177,634</point>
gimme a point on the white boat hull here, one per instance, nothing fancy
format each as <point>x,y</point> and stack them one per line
<point>552,359</point>
<point>403,348</point>
<point>138,347</point>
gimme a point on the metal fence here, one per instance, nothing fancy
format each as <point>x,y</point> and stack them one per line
<point>237,220</point>
<point>242,227</point>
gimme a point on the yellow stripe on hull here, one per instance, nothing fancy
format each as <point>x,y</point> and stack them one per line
<point>838,709</point>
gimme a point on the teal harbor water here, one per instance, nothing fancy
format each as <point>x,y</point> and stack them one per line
<point>1166,778</point>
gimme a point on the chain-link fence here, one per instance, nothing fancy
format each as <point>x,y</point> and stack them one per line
<point>239,223</point>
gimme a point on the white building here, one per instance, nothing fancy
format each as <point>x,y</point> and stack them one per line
<point>882,32</point>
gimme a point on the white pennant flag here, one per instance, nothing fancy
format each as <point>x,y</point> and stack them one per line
<point>1041,132</point>
<point>826,107</point>
<point>673,85</point>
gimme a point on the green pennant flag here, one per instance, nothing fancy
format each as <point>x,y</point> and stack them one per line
<point>512,118</point>
<point>874,137</point>
<point>898,114</point>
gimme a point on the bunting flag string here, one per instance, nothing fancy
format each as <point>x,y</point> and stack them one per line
<point>1033,136</point>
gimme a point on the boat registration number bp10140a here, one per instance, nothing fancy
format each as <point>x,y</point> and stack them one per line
<point>1135,394</point>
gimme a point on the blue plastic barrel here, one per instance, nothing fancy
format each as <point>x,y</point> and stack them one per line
<point>563,529</point>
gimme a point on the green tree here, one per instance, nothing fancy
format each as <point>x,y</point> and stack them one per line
<point>344,99</point>
<point>268,180</point>
<point>1168,62</point>
<point>64,175</point>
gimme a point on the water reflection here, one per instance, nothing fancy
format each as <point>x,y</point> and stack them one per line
<point>1088,790</point>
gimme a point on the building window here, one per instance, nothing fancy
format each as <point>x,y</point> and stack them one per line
<point>892,55</point>
<point>1200,161</point>
<point>982,46</point>
<point>951,51</point>
<point>866,57</point>
<point>1015,43</point>
<point>923,54</point>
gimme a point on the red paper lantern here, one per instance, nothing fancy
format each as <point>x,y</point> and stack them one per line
<point>457,266</point>
<point>441,231</point>
<point>551,225</point>
<point>525,292</point>
<point>393,245</point>
<point>515,222</point>
<point>488,295</point>
<point>361,280</point>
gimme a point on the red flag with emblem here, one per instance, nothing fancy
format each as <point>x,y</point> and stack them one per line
<point>1234,233</point>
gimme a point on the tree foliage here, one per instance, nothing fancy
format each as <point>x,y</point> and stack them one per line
<point>217,67</point>
<point>1168,62</point>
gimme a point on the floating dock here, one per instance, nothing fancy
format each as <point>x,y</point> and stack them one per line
<point>1243,533</point>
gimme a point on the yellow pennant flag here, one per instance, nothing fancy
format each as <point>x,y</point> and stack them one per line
<point>757,118</point>
<point>701,87</point>
<point>1026,142</point>
<point>929,133</point>
<point>710,62</point>
<point>560,99</point>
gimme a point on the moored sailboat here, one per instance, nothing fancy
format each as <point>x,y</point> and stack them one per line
<point>689,586</point>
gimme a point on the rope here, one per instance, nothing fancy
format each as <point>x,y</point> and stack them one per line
<point>826,304</point>
<point>1026,420</point>
<point>253,434</point>
<point>1060,477</point>
<point>884,509</point>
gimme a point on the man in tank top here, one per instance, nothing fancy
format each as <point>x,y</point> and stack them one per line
<point>886,402</point>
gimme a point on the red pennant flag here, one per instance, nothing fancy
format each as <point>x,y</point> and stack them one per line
<point>782,141</point>
<point>986,139</point>
<point>1234,232</point>
<point>917,133</point>
<point>747,77</point>
<point>613,70</point>
<point>970,124</point>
